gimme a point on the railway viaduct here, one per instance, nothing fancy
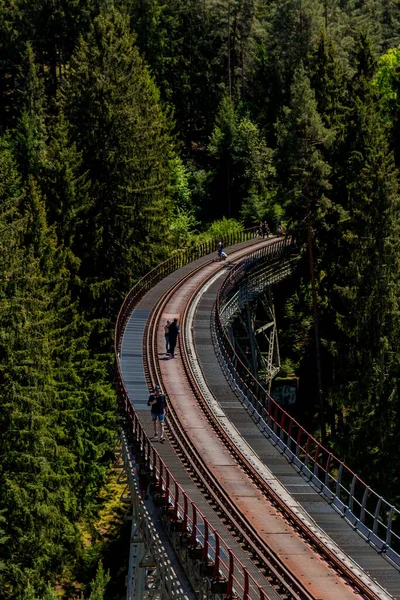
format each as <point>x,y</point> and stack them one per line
<point>240,501</point>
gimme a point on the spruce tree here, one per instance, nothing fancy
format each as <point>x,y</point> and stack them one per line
<point>244,173</point>
<point>35,483</point>
<point>302,169</point>
<point>30,128</point>
<point>366,297</point>
<point>120,131</point>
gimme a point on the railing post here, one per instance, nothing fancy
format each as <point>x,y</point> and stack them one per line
<point>230,576</point>
<point>216,562</point>
<point>176,501</point>
<point>205,548</point>
<point>339,480</point>
<point>298,441</point>
<point>389,526</point>
<point>262,593</point>
<point>154,460</point>
<point>377,511</point>
<point>194,526</point>
<point>167,490</point>
<point>160,482</point>
<point>352,488</point>
<point>246,584</point>
<point>364,504</point>
<point>185,512</point>
<point>316,455</point>
<point>328,464</point>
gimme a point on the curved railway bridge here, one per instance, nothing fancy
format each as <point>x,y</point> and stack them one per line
<point>239,502</point>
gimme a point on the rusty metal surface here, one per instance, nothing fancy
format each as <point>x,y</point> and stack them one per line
<point>373,563</point>
<point>320,579</point>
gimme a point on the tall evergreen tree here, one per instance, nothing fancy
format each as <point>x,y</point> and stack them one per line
<point>244,174</point>
<point>365,296</point>
<point>35,483</point>
<point>290,29</point>
<point>30,128</point>
<point>120,131</point>
<point>302,139</point>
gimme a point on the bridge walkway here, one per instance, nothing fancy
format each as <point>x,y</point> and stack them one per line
<point>348,540</point>
<point>319,510</point>
<point>131,359</point>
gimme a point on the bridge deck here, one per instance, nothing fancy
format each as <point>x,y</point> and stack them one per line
<point>135,382</point>
<point>316,506</point>
<point>323,514</point>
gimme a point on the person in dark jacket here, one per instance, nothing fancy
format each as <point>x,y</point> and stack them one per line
<point>173,331</point>
<point>158,405</point>
<point>221,253</point>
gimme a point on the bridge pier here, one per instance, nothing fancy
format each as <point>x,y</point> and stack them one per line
<point>254,334</point>
<point>153,572</point>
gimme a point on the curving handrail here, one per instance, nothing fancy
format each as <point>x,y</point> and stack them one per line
<point>202,539</point>
<point>179,259</point>
<point>370,514</point>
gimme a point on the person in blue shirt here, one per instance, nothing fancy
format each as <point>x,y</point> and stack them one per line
<point>158,405</point>
<point>221,253</point>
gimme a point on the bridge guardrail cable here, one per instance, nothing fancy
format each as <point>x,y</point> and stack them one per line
<point>370,514</point>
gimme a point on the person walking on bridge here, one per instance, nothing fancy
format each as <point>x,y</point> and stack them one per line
<point>158,405</point>
<point>166,333</point>
<point>173,331</point>
<point>221,254</point>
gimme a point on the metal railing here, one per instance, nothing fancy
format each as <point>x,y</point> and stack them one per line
<point>226,572</point>
<point>178,260</point>
<point>227,575</point>
<point>365,510</point>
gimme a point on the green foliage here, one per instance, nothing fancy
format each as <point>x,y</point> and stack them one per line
<point>180,185</point>
<point>121,134</point>
<point>301,139</point>
<point>125,128</point>
<point>183,226</point>
<point>387,75</point>
<point>99,584</point>
<point>223,228</point>
<point>30,594</point>
<point>243,163</point>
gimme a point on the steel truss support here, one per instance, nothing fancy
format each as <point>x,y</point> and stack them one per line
<point>256,336</point>
<point>152,573</point>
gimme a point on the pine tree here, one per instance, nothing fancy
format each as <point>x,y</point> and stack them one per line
<point>99,584</point>
<point>365,295</point>
<point>244,173</point>
<point>290,29</point>
<point>65,183</point>
<point>302,139</point>
<point>30,129</point>
<point>120,131</point>
<point>35,486</point>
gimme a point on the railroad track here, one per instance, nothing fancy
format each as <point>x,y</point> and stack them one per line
<point>269,562</point>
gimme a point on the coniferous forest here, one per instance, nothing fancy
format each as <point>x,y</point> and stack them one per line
<point>131,128</point>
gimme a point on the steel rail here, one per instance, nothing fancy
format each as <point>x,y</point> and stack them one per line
<point>278,575</point>
<point>258,480</point>
<point>154,376</point>
<point>199,472</point>
<point>246,532</point>
<point>326,472</point>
